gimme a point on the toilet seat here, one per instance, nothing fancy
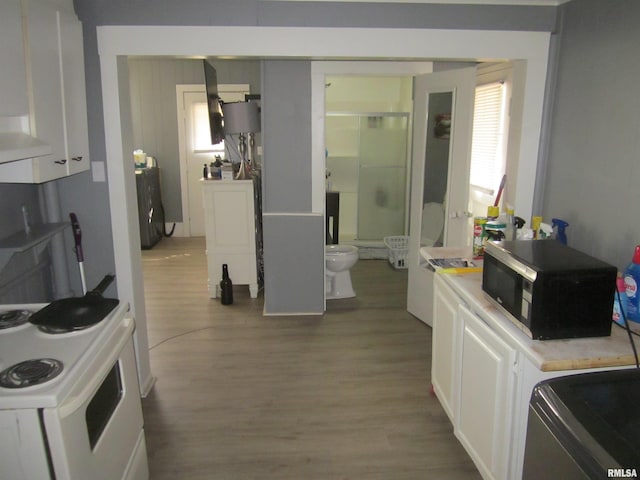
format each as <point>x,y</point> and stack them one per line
<point>340,250</point>
<point>432,223</point>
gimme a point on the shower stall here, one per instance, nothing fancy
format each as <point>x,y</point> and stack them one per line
<point>367,163</point>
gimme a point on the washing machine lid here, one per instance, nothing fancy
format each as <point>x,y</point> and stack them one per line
<point>432,223</point>
<point>601,405</point>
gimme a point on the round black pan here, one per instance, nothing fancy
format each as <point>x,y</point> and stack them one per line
<point>77,312</point>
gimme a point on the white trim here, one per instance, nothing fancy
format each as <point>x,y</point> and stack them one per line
<point>542,3</point>
<point>299,42</point>
<point>182,154</point>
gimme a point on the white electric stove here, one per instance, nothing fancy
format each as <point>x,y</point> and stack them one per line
<point>85,419</point>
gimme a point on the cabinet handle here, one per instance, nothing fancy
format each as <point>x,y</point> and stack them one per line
<point>76,159</point>
<point>60,162</point>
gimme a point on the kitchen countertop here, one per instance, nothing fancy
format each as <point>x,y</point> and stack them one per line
<point>546,355</point>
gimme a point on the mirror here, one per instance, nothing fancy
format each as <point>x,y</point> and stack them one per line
<point>436,168</point>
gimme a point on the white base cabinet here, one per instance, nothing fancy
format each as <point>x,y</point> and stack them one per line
<point>486,386</point>
<point>484,380</point>
<point>444,360</point>
<point>230,229</point>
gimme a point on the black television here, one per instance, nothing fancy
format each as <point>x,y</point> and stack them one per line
<point>213,103</point>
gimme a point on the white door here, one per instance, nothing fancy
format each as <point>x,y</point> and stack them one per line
<point>442,130</point>
<point>197,150</point>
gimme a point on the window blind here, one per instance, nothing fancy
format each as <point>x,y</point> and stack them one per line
<point>487,153</point>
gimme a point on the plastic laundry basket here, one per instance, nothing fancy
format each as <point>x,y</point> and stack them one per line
<point>398,250</point>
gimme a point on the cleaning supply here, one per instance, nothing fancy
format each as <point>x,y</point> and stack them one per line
<point>496,230</point>
<point>559,227</point>
<point>545,231</point>
<point>510,232</point>
<point>631,281</point>
<point>479,236</point>
<point>535,225</point>
<point>620,302</point>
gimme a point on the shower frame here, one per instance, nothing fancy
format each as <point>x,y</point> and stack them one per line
<point>358,155</point>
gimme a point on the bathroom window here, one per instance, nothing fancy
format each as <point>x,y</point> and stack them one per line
<point>488,150</point>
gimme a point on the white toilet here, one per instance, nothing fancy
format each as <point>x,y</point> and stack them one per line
<point>432,224</point>
<point>339,259</point>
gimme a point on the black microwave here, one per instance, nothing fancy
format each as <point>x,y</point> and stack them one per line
<point>551,290</point>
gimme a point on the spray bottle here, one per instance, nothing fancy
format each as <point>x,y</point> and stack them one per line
<point>559,227</point>
<point>631,282</point>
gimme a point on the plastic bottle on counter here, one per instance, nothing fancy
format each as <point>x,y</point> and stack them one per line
<point>510,232</point>
<point>620,302</point>
<point>631,282</point>
<point>559,226</point>
<point>205,171</point>
<point>226,287</point>
<point>479,236</point>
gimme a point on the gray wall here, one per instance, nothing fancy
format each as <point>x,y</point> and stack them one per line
<point>593,171</point>
<point>154,116</point>
<point>23,278</point>
<point>94,197</point>
<point>293,240</point>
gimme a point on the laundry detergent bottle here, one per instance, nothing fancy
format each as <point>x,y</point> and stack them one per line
<point>631,282</point>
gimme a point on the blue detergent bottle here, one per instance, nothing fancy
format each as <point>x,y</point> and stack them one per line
<point>559,226</point>
<point>631,282</point>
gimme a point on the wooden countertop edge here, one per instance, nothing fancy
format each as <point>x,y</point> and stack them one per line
<point>587,363</point>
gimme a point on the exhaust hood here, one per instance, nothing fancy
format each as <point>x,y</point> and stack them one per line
<point>16,143</point>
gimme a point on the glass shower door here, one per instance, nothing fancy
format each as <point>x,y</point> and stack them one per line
<point>382,182</point>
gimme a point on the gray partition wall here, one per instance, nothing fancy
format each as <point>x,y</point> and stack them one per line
<point>293,235</point>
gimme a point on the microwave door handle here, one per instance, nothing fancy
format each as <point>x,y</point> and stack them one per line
<point>76,400</point>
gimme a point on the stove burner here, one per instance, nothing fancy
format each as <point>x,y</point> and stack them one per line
<point>13,318</point>
<point>30,372</point>
<point>57,330</point>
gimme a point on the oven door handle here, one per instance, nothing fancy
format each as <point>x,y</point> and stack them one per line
<point>77,400</point>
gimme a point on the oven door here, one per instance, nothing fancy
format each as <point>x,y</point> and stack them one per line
<point>97,432</point>
<point>506,287</point>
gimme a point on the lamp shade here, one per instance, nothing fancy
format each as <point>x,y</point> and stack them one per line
<point>240,117</point>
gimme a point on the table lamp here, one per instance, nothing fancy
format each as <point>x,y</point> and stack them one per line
<point>242,118</point>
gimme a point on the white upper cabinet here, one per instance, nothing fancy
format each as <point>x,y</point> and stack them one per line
<point>56,92</point>
<point>13,76</point>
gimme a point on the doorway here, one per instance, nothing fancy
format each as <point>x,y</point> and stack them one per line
<point>116,42</point>
<point>367,124</point>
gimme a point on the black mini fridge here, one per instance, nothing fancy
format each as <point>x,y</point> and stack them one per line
<point>584,426</point>
<point>149,206</point>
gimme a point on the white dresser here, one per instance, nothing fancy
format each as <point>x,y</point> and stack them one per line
<point>231,210</point>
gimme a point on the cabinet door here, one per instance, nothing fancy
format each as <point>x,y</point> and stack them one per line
<point>73,93</point>
<point>13,89</point>
<point>485,398</point>
<point>46,88</point>
<point>445,349</point>
<point>230,231</point>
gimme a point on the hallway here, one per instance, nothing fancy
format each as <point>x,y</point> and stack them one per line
<point>243,396</point>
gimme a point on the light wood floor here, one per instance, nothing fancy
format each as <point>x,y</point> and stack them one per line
<point>243,396</point>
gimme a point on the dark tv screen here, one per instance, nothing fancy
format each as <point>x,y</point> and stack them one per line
<point>213,103</point>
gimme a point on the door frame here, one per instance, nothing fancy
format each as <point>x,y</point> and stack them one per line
<point>116,42</point>
<point>181,89</point>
